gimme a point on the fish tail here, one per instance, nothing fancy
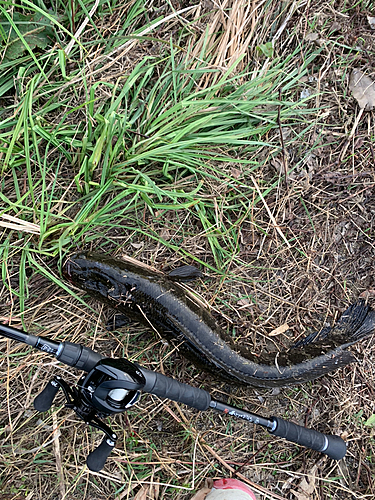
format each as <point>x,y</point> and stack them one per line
<point>356,323</point>
<point>314,337</point>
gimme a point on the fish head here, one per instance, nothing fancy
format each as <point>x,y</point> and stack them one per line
<point>90,272</point>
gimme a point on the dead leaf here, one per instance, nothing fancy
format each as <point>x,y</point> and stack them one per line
<point>201,494</point>
<point>363,89</point>
<point>165,234</point>
<point>300,496</point>
<point>243,302</point>
<point>371,21</point>
<point>141,494</point>
<point>236,173</point>
<point>156,488</point>
<point>315,38</point>
<point>312,37</point>
<point>335,26</point>
<point>137,246</point>
<point>306,486</point>
<point>280,329</point>
<point>149,492</point>
<point>279,166</point>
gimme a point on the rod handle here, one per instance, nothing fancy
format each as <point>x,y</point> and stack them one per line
<point>44,400</point>
<point>167,387</point>
<point>96,459</point>
<point>333,446</point>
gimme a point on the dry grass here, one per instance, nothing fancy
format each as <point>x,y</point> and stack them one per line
<point>327,204</point>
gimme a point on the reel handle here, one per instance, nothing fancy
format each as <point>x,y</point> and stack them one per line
<point>96,459</point>
<point>44,400</point>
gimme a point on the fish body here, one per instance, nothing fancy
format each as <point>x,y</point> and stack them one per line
<point>150,297</point>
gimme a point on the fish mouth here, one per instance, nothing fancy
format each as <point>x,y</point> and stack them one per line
<point>70,264</point>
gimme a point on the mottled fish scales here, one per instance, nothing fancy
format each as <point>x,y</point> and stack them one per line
<point>150,297</point>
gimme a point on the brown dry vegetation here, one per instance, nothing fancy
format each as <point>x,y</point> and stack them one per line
<point>326,209</point>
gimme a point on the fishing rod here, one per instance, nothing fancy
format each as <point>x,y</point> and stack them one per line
<point>112,386</point>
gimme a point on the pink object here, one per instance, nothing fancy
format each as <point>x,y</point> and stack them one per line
<point>230,489</point>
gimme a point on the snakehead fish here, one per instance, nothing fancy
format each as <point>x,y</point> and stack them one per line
<point>148,296</point>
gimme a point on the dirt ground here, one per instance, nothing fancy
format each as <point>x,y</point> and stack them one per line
<point>326,206</point>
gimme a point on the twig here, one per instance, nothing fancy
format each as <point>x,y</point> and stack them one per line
<point>256,486</point>
<point>357,193</point>
<point>73,13</point>
<point>19,224</point>
<point>78,33</point>
<point>273,220</point>
<point>56,449</point>
<point>123,49</point>
<point>294,7</point>
<point>346,145</point>
<point>283,156</point>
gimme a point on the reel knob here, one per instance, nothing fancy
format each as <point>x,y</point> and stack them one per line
<point>44,400</point>
<point>96,459</point>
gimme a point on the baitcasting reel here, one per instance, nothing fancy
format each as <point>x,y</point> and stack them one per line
<point>112,386</point>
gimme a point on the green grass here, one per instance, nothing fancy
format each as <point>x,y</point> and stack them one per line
<point>92,158</point>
